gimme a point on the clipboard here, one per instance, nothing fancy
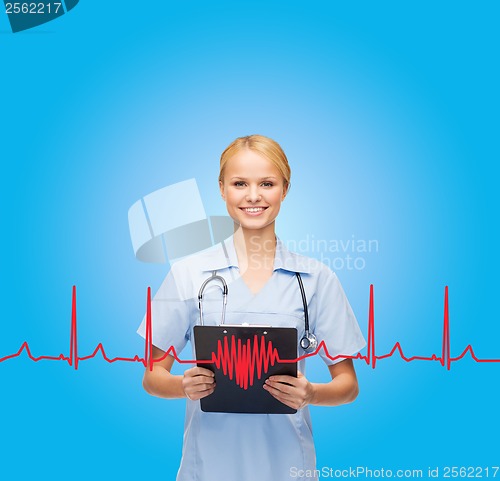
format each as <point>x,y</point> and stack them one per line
<point>245,356</point>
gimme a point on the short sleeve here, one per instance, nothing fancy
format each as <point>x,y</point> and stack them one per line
<point>335,322</point>
<point>169,315</point>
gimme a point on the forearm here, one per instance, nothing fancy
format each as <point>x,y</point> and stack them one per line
<point>342,389</point>
<point>161,383</point>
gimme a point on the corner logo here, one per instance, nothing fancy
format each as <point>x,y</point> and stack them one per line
<point>25,15</point>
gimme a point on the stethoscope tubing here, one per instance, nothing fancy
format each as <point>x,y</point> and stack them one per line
<point>308,342</point>
<point>213,277</point>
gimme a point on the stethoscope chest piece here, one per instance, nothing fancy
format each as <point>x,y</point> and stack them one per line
<point>309,342</point>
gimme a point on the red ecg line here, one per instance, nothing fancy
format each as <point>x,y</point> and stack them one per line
<point>242,361</point>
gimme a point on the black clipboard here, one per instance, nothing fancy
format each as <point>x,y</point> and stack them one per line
<point>243,393</point>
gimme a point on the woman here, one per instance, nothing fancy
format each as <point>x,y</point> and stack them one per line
<point>254,180</point>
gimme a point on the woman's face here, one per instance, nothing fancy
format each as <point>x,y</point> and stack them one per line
<point>253,189</point>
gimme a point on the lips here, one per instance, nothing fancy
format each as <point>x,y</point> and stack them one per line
<point>253,210</point>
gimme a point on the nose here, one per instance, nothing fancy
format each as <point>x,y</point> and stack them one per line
<point>253,194</point>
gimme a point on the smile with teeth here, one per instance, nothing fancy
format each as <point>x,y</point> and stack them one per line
<point>253,210</point>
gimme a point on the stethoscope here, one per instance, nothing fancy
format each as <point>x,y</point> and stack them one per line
<point>309,342</point>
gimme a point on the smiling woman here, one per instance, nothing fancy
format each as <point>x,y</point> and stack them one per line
<point>254,180</point>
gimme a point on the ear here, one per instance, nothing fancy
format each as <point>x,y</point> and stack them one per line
<point>221,188</point>
<point>286,188</point>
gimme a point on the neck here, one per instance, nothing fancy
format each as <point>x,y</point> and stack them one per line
<point>255,248</point>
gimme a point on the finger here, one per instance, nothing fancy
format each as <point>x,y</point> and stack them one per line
<point>279,386</point>
<point>291,396</point>
<point>203,388</point>
<point>281,390</point>
<point>193,386</point>
<point>194,396</point>
<point>206,393</point>
<point>199,387</point>
<point>281,398</point>
<point>199,371</point>
<point>201,380</point>
<point>284,379</point>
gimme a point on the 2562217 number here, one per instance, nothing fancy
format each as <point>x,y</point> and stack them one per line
<point>33,8</point>
<point>470,471</point>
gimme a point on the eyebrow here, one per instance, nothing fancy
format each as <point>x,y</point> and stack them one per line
<point>263,178</point>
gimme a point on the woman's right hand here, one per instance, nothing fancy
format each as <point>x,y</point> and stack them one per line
<point>198,382</point>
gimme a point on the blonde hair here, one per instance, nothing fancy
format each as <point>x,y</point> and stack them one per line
<point>264,146</point>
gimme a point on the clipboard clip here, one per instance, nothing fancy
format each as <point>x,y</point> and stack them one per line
<point>246,324</point>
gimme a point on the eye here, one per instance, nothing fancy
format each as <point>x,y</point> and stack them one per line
<point>267,184</point>
<point>239,183</point>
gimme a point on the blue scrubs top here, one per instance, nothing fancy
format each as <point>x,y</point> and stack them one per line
<point>247,447</point>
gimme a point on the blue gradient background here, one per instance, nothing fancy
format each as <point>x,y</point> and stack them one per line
<point>388,112</point>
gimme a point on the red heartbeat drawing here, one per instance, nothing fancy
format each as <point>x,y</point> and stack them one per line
<point>242,361</point>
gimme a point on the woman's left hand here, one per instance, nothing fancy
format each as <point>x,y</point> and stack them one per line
<point>295,392</point>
